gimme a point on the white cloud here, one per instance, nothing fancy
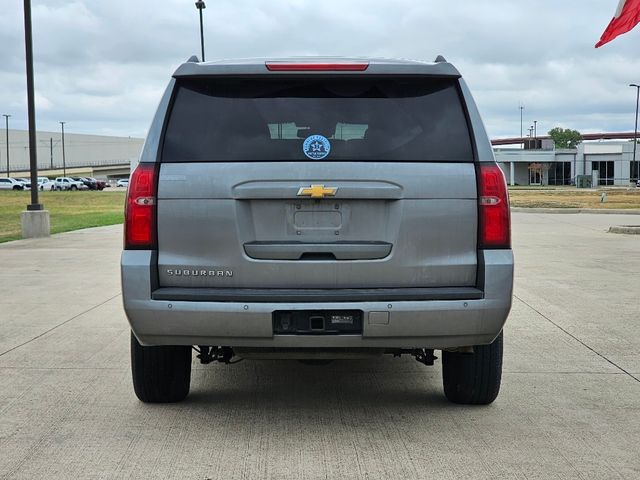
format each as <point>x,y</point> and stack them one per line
<point>102,65</point>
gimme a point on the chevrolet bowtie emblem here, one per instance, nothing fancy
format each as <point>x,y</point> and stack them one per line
<point>317,191</point>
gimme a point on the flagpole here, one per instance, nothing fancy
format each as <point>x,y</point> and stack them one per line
<point>635,133</point>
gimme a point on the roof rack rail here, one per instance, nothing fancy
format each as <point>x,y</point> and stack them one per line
<point>193,59</point>
<point>440,59</point>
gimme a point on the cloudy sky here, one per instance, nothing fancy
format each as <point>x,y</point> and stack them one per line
<point>101,65</point>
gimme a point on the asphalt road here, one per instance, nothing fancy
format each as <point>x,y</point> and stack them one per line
<point>569,405</point>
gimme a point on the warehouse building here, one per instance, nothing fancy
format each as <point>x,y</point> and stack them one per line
<point>112,155</point>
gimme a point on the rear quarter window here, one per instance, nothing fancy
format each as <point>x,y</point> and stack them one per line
<point>362,119</point>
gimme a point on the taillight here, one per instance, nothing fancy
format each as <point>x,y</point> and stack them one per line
<point>317,67</point>
<point>494,222</point>
<point>140,209</point>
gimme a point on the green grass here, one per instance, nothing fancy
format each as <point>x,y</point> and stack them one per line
<point>68,210</point>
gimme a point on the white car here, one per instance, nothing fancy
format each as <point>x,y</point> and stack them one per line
<point>25,182</point>
<point>45,184</point>
<point>66,183</point>
<point>123,182</point>
<point>11,184</point>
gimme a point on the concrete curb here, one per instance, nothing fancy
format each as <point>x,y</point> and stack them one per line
<point>618,211</point>
<point>626,229</point>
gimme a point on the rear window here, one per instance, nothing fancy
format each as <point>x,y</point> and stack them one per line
<point>316,119</point>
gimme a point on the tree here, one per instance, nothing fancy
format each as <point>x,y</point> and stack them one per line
<point>565,137</point>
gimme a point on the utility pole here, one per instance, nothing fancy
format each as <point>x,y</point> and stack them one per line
<point>31,108</point>
<point>635,133</point>
<point>51,152</point>
<point>201,6</point>
<point>6,118</point>
<point>521,109</point>
<point>35,219</point>
<point>64,159</point>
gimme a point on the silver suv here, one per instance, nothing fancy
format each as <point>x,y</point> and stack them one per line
<point>317,209</point>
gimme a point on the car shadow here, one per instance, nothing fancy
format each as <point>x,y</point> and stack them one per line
<point>380,383</point>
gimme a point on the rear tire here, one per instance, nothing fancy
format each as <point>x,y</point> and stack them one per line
<point>473,379</point>
<point>160,374</point>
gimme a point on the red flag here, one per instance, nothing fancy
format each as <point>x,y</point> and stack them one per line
<point>627,16</point>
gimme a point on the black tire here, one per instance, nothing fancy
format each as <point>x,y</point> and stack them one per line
<point>473,378</point>
<point>18,188</point>
<point>73,187</point>
<point>160,374</point>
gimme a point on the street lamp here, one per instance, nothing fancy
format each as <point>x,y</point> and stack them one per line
<point>35,205</point>
<point>6,118</point>
<point>201,6</point>
<point>64,160</point>
<point>635,132</point>
<point>521,109</point>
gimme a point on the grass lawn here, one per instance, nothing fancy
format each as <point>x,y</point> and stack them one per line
<point>69,210</point>
<point>574,198</point>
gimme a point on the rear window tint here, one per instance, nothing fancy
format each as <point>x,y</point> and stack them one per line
<point>349,119</point>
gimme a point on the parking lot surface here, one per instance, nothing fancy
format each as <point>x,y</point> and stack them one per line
<point>569,405</point>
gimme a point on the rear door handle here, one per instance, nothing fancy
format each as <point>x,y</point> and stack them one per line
<point>317,251</point>
<point>375,190</point>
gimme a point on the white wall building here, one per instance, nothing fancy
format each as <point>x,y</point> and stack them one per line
<point>80,150</point>
<point>611,162</point>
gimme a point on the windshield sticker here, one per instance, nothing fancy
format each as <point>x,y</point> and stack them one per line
<point>316,147</point>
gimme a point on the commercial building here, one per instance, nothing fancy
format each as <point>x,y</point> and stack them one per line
<point>607,162</point>
<point>109,155</point>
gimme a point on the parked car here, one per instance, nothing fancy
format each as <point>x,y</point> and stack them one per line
<point>123,182</point>
<point>86,182</point>
<point>11,184</point>
<point>67,183</point>
<point>45,183</point>
<point>326,208</point>
<point>100,184</point>
<point>25,182</point>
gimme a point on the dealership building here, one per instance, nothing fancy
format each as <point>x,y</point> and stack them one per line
<point>607,162</point>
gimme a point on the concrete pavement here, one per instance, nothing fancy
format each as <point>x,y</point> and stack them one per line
<point>569,405</point>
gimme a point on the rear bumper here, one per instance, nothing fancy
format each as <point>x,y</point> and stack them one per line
<point>434,323</point>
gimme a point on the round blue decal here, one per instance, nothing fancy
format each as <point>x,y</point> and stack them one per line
<point>316,147</point>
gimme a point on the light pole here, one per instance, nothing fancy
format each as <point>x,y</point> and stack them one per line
<point>635,132</point>
<point>201,6</point>
<point>521,109</point>
<point>6,118</point>
<point>31,109</point>
<point>64,160</point>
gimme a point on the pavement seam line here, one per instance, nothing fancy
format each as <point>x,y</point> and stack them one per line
<point>59,325</point>
<point>578,340</point>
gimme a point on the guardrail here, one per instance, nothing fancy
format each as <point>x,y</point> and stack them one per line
<point>58,166</point>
